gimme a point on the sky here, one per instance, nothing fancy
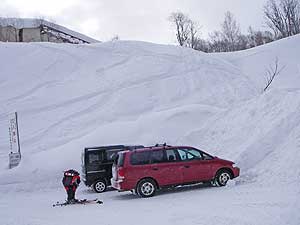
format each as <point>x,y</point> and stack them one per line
<point>135,19</point>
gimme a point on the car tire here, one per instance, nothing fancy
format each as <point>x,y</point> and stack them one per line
<point>133,191</point>
<point>222,177</point>
<point>214,183</point>
<point>99,186</point>
<point>146,188</point>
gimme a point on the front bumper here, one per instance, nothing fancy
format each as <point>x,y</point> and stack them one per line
<point>236,172</point>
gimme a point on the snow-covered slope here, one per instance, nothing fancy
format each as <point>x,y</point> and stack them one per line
<point>64,92</point>
<point>120,92</point>
<point>256,61</point>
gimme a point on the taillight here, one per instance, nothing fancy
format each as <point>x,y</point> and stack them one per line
<point>121,173</point>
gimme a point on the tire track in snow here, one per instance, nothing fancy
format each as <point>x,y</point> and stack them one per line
<point>75,115</point>
<point>66,120</point>
<point>30,91</point>
<point>158,77</point>
<point>123,85</point>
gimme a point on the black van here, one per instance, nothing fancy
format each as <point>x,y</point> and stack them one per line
<point>97,163</point>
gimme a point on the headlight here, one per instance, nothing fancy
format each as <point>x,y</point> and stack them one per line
<point>234,165</point>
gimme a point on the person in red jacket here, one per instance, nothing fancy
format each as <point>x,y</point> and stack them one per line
<point>71,181</point>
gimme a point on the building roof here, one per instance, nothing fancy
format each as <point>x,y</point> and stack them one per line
<point>20,23</point>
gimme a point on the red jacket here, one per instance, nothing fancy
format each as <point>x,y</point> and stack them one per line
<point>71,179</point>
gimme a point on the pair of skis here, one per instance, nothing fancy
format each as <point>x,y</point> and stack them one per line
<point>78,202</point>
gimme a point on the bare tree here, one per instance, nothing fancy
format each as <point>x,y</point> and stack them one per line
<point>272,72</point>
<point>217,42</point>
<point>192,34</point>
<point>201,45</point>
<point>229,38</point>
<point>187,30</point>
<point>291,11</point>
<point>283,17</point>
<point>231,32</point>
<point>256,38</point>
<point>181,22</point>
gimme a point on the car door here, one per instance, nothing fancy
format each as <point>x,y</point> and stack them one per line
<point>194,167</point>
<point>164,167</point>
<point>206,166</point>
<point>95,168</point>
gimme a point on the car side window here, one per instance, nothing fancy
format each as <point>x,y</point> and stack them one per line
<point>182,154</point>
<point>171,155</point>
<point>206,156</point>
<point>140,158</point>
<point>157,156</point>
<point>195,153</point>
<point>189,154</point>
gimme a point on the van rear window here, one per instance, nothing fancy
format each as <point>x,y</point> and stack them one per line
<point>95,157</point>
<point>111,154</point>
<point>140,158</point>
<point>120,159</point>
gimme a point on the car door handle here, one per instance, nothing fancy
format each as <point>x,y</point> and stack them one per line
<point>186,166</point>
<point>154,168</point>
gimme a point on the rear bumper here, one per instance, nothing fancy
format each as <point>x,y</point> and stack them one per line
<point>121,185</point>
<point>115,184</point>
<point>87,183</point>
<point>236,172</point>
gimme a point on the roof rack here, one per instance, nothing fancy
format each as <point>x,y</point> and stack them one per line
<point>160,145</point>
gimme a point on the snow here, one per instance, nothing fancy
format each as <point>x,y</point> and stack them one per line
<point>129,92</point>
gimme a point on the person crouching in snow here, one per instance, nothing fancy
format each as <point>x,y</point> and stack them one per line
<point>71,181</point>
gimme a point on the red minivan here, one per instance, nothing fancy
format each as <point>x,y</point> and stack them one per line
<point>148,169</point>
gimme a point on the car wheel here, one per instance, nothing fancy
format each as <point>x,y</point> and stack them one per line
<point>99,186</point>
<point>214,183</point>
<point>223,176</point>
<point>146,188</point>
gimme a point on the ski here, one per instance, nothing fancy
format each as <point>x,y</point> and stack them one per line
<point>78,202</point>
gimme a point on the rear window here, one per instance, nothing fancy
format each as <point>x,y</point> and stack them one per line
<point>140,158</point>
<point>111,154</point>
<point>120,159</point>
<point>95,157</point>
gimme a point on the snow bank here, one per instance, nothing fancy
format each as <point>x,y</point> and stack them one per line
<point>69,97</point>
<point>64,92</point>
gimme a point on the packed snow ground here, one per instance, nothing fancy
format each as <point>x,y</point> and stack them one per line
<point>69,97</point>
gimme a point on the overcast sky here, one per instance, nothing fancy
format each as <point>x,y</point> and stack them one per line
<point>135,19</point>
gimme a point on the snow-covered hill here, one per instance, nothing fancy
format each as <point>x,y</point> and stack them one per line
<point>131,92</point>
